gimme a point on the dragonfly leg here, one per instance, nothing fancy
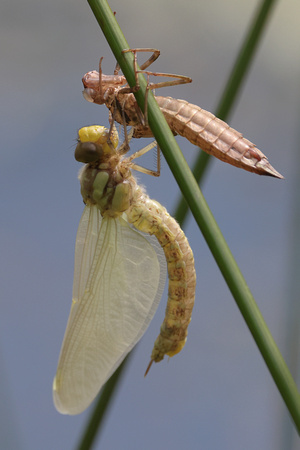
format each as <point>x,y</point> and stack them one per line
<point>100,79</point>
<point>112,131</point>
<point>176,79</point>
<point>141,152</point>
<point>124,148</point>
<point>153,57</point>
<point>179,79</point>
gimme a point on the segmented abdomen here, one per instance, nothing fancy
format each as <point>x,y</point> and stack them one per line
<point>150,217</point>
<point>214,136</point>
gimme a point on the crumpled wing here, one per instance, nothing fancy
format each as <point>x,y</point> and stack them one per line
<point>117,286</point>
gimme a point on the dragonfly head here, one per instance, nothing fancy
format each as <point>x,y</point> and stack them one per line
<point>94,143</point>
<point>98,88</point>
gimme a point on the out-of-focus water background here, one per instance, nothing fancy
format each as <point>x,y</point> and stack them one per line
<point>218,393</point>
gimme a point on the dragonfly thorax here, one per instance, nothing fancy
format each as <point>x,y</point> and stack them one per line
<point>112,192</point>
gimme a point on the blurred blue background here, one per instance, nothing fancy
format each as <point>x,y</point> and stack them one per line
<point>218,393</point>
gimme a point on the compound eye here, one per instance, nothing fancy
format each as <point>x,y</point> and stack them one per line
<point>89,94</point>
<point>88,152</point>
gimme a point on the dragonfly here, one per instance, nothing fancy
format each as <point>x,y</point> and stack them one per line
<point>200,127</point>
<point>125,242</point>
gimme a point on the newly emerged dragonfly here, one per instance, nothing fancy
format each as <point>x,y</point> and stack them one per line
<point>200,127</point>
<point>119,273</point>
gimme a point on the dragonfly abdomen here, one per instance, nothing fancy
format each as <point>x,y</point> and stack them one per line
<point>150,217</point>
<point>214,136</point>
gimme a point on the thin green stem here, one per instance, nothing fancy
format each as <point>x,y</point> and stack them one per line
<point>203,217</point>
<point>101,407</point>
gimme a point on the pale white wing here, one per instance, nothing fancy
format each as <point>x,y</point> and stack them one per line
<point>117,287</point>
<point>86,241</point>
